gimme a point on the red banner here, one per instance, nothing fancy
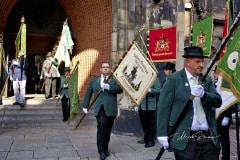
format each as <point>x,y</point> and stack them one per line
<point>227,23</point>
<point>162,44</point>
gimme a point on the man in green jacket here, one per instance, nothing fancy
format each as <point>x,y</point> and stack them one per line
<point>147,114</point>
<point>105,106</point>
<point>64,94</point>
<point>196,137</point>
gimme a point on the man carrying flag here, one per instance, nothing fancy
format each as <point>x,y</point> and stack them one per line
<point>65,98</point>
<point>17,74</point>
<point>18,67</point>
<point>105,106</point>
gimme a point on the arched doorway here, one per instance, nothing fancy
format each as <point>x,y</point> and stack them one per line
<point>44,20</point>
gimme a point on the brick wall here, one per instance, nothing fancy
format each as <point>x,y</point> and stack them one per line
<point>91,27</point>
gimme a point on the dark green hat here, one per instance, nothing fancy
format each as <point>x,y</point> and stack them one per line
<point>67,69</point>
<point>49,54</point>
<point>193,52</point>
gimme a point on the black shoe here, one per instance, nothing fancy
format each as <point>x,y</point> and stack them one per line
<point>16,103</point>
<point>149,144</point>
<point>22,105</point>
<point>65,119</point>
<point>102,156</point>
<point>107,153</point>
<point>141,142</point>
<point>170,149</point>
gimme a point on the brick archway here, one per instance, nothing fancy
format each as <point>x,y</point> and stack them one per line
<point>91,27</point>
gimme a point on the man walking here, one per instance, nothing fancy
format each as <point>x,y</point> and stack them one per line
<point>18,76</point>
<point>105,106</point>
<point>196,136</point>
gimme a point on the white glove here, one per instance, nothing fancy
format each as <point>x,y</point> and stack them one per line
<point>65,85</point>
<point>11,78</point>
<point>225,121</point>
<point>149,90</point>
<point>85,110</point>
<point>197,91</point>
<point>46,74</point>
<point>163,141</point>
<point>136,108</point>
<point>60,96</point>
<point>41,77</point>
<point>105,86</point>
<point>15,63</point>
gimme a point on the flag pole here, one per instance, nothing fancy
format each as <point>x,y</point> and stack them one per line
<point>222,46</point>
<point>237,128</point>
<point>180,118</point>
<point>100,91</point>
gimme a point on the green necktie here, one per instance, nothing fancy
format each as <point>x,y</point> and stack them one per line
<point>198,105</point>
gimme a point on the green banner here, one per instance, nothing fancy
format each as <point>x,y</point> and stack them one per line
<point>230,66</point>
<point>73,91</point>
<point>202,35</point>
<point>20,41</point>
<point>3,79</point>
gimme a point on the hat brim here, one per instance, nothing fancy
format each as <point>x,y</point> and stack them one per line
<point>194,56</point>
<point>169,68</point>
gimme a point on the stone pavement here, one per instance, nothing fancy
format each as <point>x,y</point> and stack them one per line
<point>66,143</point>
<point>63,142</point>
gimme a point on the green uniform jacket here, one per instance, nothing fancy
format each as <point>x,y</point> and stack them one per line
<point>174,95</point>
<point>152,97</point>
<point>64,91</point>
<point>108,98</point>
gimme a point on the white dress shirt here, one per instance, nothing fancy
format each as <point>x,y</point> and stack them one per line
<point>195,124</point>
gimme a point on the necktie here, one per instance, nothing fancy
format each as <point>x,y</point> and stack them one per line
<point>198,105</point>
<point>104,79</point>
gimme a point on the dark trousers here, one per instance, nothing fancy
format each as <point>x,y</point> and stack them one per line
<point>223,132</point>
<point>104,128</point>
<point>148,121</point>
<point>203,149</point>
<point>65,107</point>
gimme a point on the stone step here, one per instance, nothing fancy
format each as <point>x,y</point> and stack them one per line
<point>26,111</point>
<point>31,123</point>
<point>41,122</point>
<point>32,100</point>
<point>38,112</point>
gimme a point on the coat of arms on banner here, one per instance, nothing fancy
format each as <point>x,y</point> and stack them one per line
<point>135,74</point>
<point>201,37</point>
<point>162,44</point>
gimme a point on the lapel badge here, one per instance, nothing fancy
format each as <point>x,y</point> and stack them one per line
<point>186,84</point>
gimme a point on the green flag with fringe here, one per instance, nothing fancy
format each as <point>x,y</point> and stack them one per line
<point>229,64</point>
<point>73,91</point>
<point>202,34</point>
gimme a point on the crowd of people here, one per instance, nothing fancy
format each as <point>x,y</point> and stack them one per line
<point>196,133</point>
<point>43,76</point>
